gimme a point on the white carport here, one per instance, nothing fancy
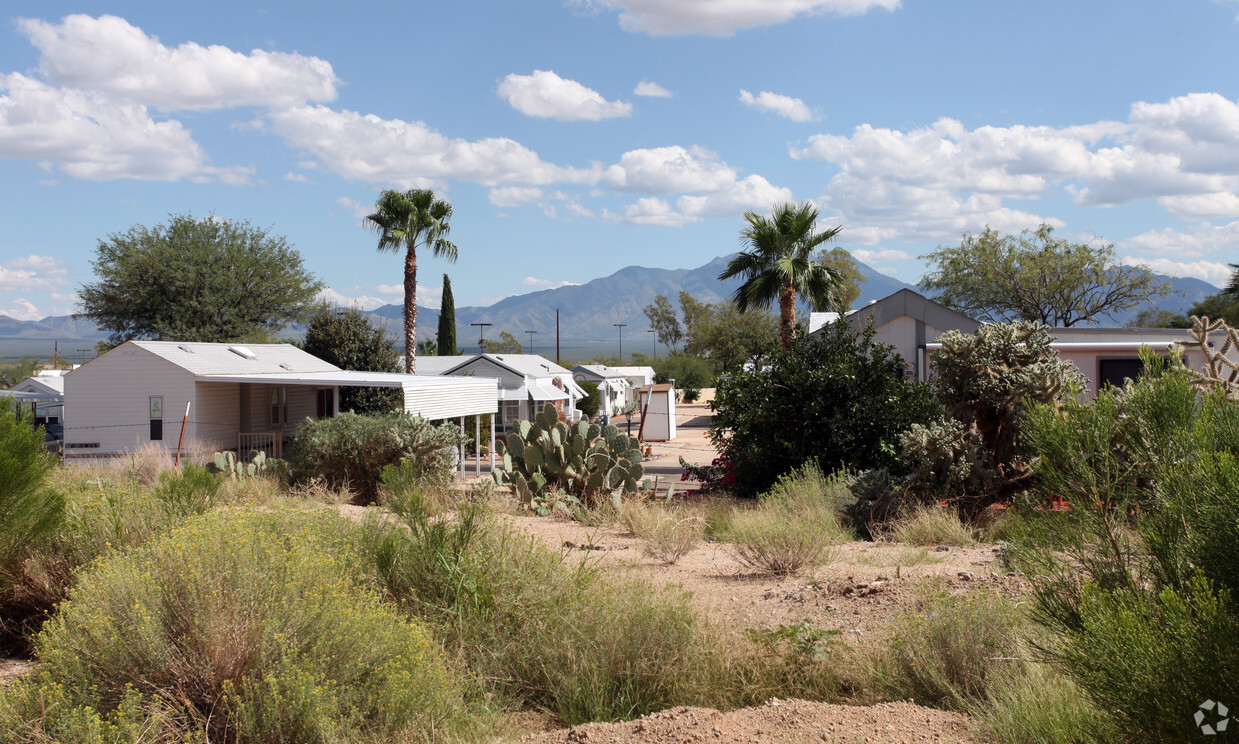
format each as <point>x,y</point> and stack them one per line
<point>432,398</point>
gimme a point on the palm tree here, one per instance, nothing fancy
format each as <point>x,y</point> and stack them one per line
<point>410,220</point>
<point>779,263</point>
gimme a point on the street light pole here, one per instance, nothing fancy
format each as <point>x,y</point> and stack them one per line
<point>481,330</point>
<point>531,340</point>
<point>621,327</point>
<point>655,341</point>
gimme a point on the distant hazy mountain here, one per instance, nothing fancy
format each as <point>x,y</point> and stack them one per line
<point>588,313</point>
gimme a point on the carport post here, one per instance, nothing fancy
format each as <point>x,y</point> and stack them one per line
<point>462,447</point>
<point>492,443</point>
<point>477,443</point>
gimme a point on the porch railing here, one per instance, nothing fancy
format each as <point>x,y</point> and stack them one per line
<point>271,442</point>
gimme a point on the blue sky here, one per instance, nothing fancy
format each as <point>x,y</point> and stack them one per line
<point>578,137</point>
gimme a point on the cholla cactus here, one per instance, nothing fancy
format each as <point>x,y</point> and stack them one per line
<point>581,460</point>
<point>975,457</point>
<point>1220,371</point>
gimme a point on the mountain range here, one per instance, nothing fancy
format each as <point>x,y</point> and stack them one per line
<point>588,313</point>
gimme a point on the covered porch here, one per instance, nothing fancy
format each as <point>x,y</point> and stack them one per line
<point>261,411</point>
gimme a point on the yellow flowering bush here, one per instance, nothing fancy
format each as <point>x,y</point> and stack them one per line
<point>250,625</point>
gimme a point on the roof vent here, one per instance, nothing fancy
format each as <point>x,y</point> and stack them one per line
<point>241,351</point>
<point>286,365</point>
<point>185,349</point>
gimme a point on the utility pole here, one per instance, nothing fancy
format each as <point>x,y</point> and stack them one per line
<point>557,335</point>
<point>481,330</point>
<point>655,341</point>
<point>531,340</point>
<point>621,327</point>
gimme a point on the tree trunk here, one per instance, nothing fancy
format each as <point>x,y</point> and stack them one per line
<point>410,311</point>
<point>787,314</point>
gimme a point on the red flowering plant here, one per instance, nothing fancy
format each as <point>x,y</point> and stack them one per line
<point>719,475</point>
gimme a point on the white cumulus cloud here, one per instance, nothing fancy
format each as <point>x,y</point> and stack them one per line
<point>1217,274</point>
<point>32,273</point>
<point>514,196</point>
<point>410,154</point>
<point>886,254</point>
<point>651,89</point>
<point>668,170</point>
<point>530,281</point>
<point>785,106</point>
<point>21,309</point>
<point>724,17</point>
<point>361,302</point>
<point>88,136</point>
<point>546,95</point>
<point>110,54</point>
<point>934,182</point>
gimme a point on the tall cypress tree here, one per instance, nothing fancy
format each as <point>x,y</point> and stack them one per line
<point>447,320</point>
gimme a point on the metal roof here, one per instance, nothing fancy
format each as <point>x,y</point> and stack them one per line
<point>41,384</point>
<point>235,359</point>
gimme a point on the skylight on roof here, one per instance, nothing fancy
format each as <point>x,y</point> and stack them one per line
<point>185,349</point>
<point>241,351</point>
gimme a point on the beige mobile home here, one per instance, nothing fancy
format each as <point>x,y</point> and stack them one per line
<point>239,396</point>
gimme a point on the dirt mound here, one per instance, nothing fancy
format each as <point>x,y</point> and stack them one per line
<point>777,722</point>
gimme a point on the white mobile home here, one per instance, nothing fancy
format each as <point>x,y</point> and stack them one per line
<point>241,397</point>
<point>527,382</point>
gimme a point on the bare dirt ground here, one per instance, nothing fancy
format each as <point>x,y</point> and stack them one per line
<point>859,592</point>
<point>778,722</point>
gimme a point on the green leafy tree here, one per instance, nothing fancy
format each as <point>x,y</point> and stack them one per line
<point>348,340</point>
<point>1034,276</point>
<point>1220,306</point>
<point>725,336</point>
<point>505,344</point>
<point>1157,318</point>
<point>850,278</point>
<point>428,347</point>
<point>592,401</point>
<point>446,340</point>
<point>833,400</point>
<point>688,371</point>
<point>197,280</point>
<point>665,323</point>
<point>406,221</point>
<point>13,372</point>
<point>779,264</point>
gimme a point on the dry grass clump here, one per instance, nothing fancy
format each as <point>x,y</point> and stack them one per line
<point>669,532</point>
<point>930,525</point>
<point>946,652</point>
<point>775,542</point>
<point>794,527</point>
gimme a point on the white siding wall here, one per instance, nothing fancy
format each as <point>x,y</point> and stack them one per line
<point>109,401</point>
<point>218,414</point>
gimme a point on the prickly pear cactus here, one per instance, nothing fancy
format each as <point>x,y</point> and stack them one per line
<point>581,460</point>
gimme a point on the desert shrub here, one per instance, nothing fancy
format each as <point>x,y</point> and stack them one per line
<point>29,511</point>
<point>251,626</point>
<point>1137,580</point>
<point>669,532</point>
<point>189,491</point>
<point>834,400</point>
<point>351,450</point>
<point>533,626</point>
<point>930,525</point>
<point>975,456</point>
<point>947,652</point>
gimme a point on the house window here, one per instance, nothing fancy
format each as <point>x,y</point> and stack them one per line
<point>279,405</point>
<point>155,409</point>
<point>326,403</point>
<point>1116,372</point>
<point>509,413</point>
